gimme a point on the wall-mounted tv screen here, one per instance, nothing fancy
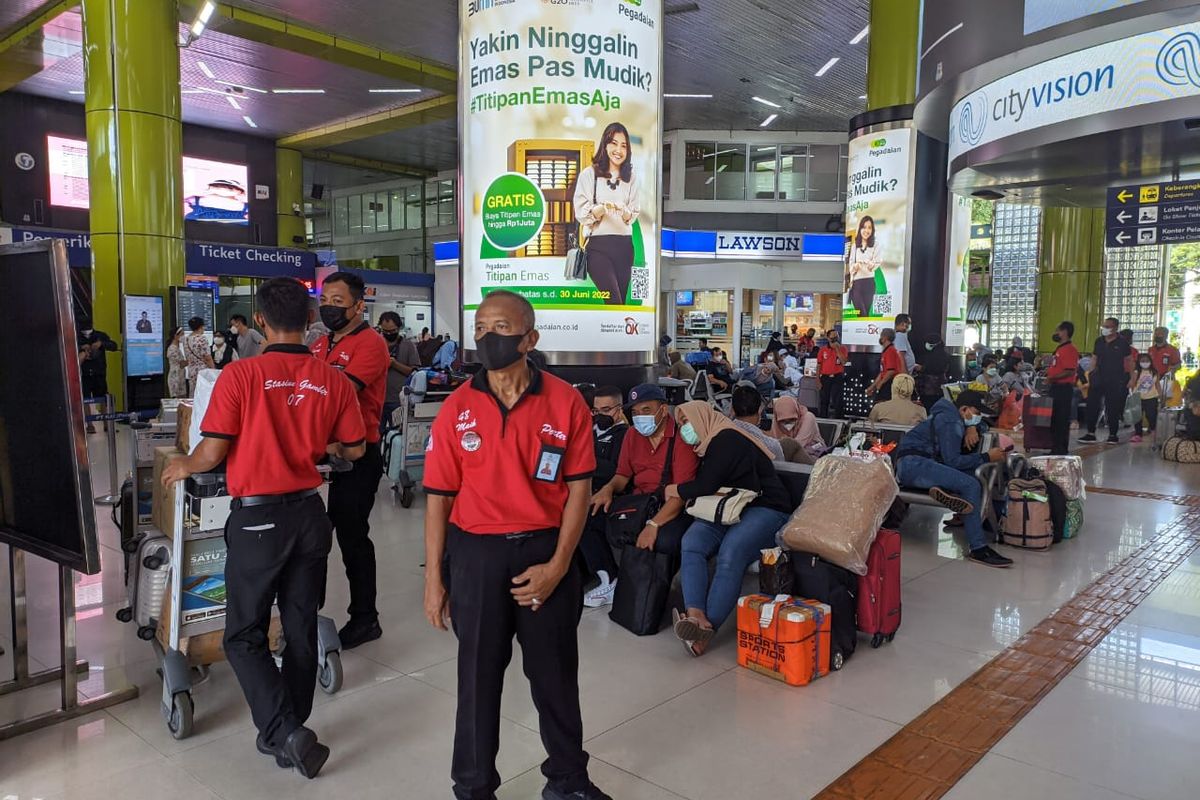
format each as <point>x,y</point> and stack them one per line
<point>685,298</point>
<point>213,191</point>
<point>143,335</point>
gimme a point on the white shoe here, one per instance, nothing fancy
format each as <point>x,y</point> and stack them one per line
<point>602,595</point>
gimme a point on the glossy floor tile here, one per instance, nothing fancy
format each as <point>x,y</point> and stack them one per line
<point>659,724</point>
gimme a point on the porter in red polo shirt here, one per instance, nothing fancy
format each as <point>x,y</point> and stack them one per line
<point>644,466</point>
<point>1065,363</point>
<point>362,356</point>
<point>832,359</point>
<point>509,468</point>
<point>280,409</point>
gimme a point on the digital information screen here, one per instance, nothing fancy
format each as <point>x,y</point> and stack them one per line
<point>143,335</point>
<point>213,191</point>
<point>193,302</point>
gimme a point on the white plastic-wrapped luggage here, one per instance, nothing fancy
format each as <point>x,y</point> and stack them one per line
<point>1065,471</point>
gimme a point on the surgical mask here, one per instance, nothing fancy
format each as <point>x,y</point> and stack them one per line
<point>972,364</point>
<point>645,424</point>
<point>218,341</point>
<point>334,317</point>
<point>973,421</point>
<point>1056,338</point>
<point>233,331</point>
<point>929,346</point>
<point>789,425</point>
<point>391,336</point>
<point>688,434</point>
<point>992,372</point>
<point>1144,364</point>
<point>1106,331</point>
<point>497,351</point>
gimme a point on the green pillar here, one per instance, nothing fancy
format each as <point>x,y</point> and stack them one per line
<point>131,68</point>
<point>1071,278</point>
<point>289,193</point>
<point>892,53</point>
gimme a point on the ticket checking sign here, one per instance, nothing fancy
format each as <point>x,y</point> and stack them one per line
<point>1153,214</point>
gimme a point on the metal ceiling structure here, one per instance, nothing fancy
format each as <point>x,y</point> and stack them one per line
<point>732,49</point>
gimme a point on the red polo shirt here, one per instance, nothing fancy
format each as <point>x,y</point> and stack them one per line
<point>645,465</point>
<point>1066,362</point>
<point>827,360</point>
<point>508,469</point>
<point>362,356</point>
<point>1164,358</point>
<point>891,360</point>
<point>280,409</point>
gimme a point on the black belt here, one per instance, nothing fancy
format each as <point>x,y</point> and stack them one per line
<point>529,534</point>
<point>271,499</point>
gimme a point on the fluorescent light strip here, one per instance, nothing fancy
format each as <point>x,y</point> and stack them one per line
<point>862,97</point>
<point>208,73</point>
<point>828,66</point>
<point>297,91</point>
<point>393,91</point>
<point>687,96</point>
<point>233,101</point>
<point>249,121</point>
<point>202,18</point>
<point>75,91</point>
<point>861,35</point>
<point>191,91</point>
<point>767,121</point>
<point>766,102</point>
<point>242,86</point>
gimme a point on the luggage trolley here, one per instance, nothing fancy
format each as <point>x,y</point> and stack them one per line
<point>404,444</point>
<point>198,522</point>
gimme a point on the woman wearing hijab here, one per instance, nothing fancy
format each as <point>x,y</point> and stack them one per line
<point>796,429</point>
<point>728,458</point>
<point>901,409</point>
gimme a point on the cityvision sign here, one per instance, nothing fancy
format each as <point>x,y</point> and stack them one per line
<point>1147,68</point>
<point>735,244</point>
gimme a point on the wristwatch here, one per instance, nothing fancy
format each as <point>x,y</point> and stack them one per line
<point>652,523</point>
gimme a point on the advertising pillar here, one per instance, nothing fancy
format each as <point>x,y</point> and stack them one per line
<point>561,141</point>
<point>878,231</point>
<point>958,272</point>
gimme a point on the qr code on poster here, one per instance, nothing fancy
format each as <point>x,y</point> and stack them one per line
<point>639,286</point>
<point>882,305</point>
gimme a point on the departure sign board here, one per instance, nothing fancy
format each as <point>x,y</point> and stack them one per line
<point>190,302</point>
<point>1153,214</point>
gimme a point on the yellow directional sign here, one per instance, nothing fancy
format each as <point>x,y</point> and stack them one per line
<point>1125,196</point>
<point>1148,194</point>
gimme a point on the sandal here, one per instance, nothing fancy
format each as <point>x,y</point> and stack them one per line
<point>689,630</point>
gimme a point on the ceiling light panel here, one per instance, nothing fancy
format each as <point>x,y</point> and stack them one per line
<point>766,102</point>
<point>861,35</point>
<point>828,66</point>
<point>768,121</point>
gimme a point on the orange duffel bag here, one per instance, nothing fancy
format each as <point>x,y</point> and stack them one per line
<point>783,637</point>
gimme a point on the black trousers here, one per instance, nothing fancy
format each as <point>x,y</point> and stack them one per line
<point>276,553</point>
<point>610,266</point>
<point>351,498</point>
<point>1150,412</point>
<point>831,396</point>
<point>862,295</point>
<point>478,570</point>
<point>1110,397</point>
<point>1063,395</point>
<point>594,547</point>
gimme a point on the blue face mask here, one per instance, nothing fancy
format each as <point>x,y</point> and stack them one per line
<point>645,424</point>
<point>973,421</point>
<point>688,434</point>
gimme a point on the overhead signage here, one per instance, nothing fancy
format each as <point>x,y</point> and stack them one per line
<point>1153,214</point>
<point>252,262</point>
<point>561,142</point>
<point>1042,14</point>
<point>879,176</point>
<point>1138,70</point>
<point>78,243</point>
<point>981,231</point>
<point>759,244</point>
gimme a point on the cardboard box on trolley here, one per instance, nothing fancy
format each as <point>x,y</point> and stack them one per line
<point>784,638</point>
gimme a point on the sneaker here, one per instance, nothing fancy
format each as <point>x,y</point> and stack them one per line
<point>989,558</point>
<point>955,522</point>
<point>1136,438</point>
<point>355,633</point>
<point>951,501</point>
<point>602,595</point>
<point>1088,437</point>
<point>1112,440</point>
<point>590,793</point>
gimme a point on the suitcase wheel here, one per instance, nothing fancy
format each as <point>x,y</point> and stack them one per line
<point>891,636</point>
<point>124,615</point>
<point>152,562</point>
<point>877,640</point>
<point>838,661</point>
<point>406,497</point>
<point>146,633</point>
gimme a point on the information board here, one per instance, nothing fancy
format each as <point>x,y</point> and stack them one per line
<point>143,335</point>
<point>1153,214</point>
<point>189,302</point>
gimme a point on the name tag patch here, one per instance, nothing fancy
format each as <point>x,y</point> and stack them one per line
<point>549,463</point>
<point>471,441</point>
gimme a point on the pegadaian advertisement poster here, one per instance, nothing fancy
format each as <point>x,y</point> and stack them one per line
<point>958,271</point>
<point>879,176</point>
<point>561,136</point>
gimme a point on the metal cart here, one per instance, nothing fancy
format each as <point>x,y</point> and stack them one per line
<point>414,419</point>
<point>193,523</point>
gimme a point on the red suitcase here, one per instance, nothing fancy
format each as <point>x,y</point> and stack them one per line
<point>879,589</point>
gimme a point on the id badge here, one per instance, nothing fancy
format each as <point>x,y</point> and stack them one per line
<point>549,463</point>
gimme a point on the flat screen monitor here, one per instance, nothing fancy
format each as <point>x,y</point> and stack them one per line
<point>143,335</point>
<point>685,298</point>
<point>213,191</point>
<point>193,301</point>
<point>45,485</point>
<point>799,301</point>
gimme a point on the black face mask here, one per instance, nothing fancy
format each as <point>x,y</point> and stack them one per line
<point>334,317</point>
<point>1159,340</point>
<point>602,421</point>
<point>391,336</point>
<point>497,351</point>
<point>1056,338</point>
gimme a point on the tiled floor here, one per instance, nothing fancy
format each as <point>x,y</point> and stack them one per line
<point>660,724</point>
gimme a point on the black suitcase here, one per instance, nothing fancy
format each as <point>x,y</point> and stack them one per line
<point>836,587</point>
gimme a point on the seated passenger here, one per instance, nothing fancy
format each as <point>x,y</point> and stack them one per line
<point>901,409</point>
<point>642,467</point>
<point>729,457</point>
<point>796,429</point>
<point>680,370</point>
<point>719,376</point>
<point>747,416</point>
<point>609,428</point>
<point>931,457</point>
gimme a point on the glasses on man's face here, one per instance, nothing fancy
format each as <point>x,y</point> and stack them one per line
<point>605,409</point>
